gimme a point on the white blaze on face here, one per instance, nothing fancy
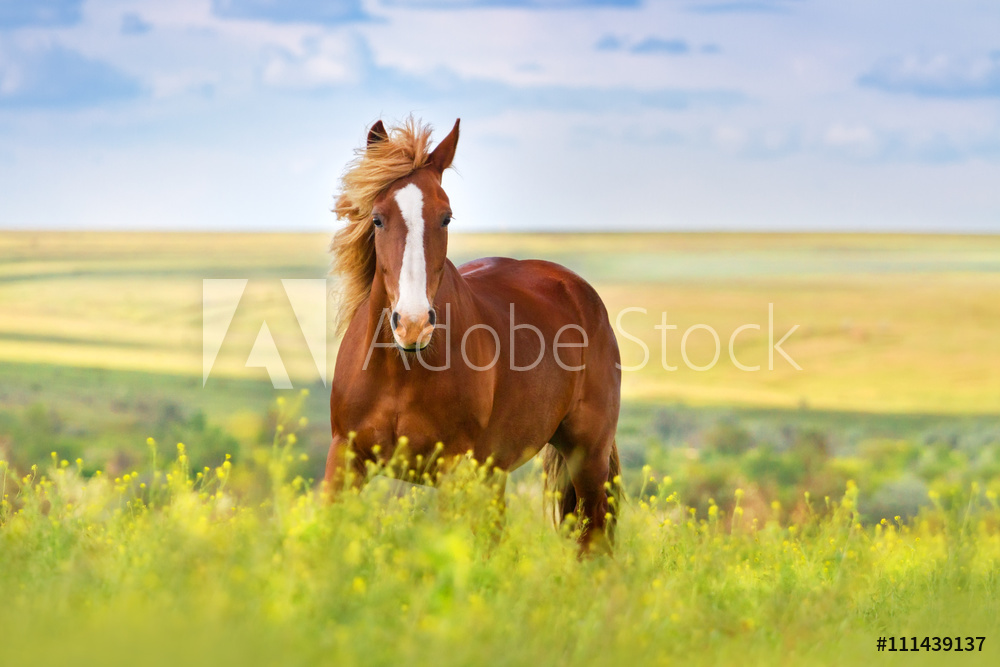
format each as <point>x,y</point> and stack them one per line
<point>413,274</point>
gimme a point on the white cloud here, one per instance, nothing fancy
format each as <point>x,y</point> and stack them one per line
<point>729,137</point>
<point>842,134</point>
<point>321,62</point>
<point>48,76</point>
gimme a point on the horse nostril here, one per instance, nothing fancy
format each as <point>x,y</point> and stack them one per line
<point>431,316</point>
<point>395,320</point>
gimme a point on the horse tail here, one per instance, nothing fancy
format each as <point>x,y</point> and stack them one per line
<point>559,492</point>
<point>616,490</point>
<point>562,495</point>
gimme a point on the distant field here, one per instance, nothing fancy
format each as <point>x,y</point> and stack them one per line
<point>773,517</point>
<point>887,323</point>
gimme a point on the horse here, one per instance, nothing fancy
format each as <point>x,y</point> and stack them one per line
<point>497,357</point>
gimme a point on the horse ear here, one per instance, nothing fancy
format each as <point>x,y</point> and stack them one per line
<point>445,152</point>
<point>377,133</point>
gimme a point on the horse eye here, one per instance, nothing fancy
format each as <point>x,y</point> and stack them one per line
<point>447,219</point>
<point>377,221</point>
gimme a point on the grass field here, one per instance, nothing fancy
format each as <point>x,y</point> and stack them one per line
<point>765,544</point>
<point>886,323</point>
<point>896,334</point>
<point>174,569</point>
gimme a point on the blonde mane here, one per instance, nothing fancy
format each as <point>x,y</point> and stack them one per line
<point>373,169</point>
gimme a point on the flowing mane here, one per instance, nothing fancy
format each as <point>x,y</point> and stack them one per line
<point>373,169</point>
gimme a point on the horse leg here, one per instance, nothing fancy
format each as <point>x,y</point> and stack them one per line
<point>344,468</point>
<point>586,450</point>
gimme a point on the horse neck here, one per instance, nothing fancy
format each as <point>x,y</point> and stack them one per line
<point>456,296</point>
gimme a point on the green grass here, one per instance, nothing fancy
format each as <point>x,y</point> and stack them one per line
<point>163,565</point>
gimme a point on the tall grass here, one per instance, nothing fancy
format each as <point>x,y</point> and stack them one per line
<point>170,564</point>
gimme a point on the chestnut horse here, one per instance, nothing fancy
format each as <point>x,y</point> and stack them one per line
<point>497,357</point>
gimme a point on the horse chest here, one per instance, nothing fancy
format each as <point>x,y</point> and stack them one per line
<point>421,414</point>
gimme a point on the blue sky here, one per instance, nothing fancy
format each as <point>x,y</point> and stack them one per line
<point>576,114</point>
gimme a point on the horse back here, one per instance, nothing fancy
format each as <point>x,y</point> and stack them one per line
<point>501,281</point>
<point>561,305</point>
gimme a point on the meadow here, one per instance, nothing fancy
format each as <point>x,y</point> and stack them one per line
<point>168,565</point>
<point>887,323</point>
<point>777,516</point>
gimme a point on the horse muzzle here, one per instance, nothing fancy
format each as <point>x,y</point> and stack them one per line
<point>413,333</point>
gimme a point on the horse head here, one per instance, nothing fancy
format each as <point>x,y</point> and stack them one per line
<point>410,220</point>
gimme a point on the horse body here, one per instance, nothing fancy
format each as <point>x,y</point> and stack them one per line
<point>470,397</point>
<point>503,356</point>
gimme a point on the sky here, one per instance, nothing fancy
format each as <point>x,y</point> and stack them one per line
<point>840,115</point>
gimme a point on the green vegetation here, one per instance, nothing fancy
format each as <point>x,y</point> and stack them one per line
<point>775,517</point>
<point>246,562</point>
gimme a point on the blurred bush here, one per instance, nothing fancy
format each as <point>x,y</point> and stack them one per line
<point>707,456</point>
